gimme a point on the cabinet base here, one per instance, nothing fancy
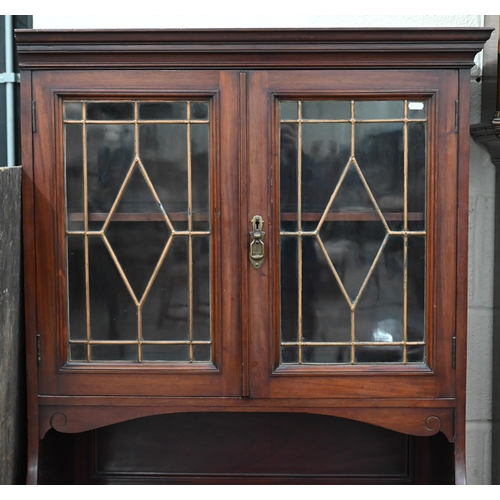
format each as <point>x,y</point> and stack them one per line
<point>244,448</point>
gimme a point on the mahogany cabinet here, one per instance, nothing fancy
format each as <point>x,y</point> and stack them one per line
<point>241,229</point>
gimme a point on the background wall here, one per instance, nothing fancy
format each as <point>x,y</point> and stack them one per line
<point>482,180</point>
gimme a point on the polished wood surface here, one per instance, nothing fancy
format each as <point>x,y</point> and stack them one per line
<point>251,48</point>
<point>243,73</point>
<point>249,448</point>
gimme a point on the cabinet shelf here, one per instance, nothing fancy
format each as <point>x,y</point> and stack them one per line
<point>352,216</point>
<point>137,217</point>
<point>285,216</point>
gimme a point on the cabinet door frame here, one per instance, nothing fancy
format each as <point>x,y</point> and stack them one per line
<point>436,377</point>
<point>56,375</point>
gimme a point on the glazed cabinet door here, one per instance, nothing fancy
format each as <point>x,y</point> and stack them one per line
<point>137,186</point>
<point>353,175</point>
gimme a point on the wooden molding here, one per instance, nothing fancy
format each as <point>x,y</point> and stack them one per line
<point>373,48</point>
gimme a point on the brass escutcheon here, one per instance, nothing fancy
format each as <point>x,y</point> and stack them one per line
<point>257,245</point>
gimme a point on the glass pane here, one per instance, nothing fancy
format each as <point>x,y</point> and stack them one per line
<point>202,353</point>
<point>326,316</point>
<point>349,286</point>
<point>379,314</point>
<point>288,176</point>
<point>417,155</point>
<point>110,111</point>
<point>379,151</point>
<point>415,354</point>
<point>113,313</point>
<point>325,154</point>
<point>163,152</point>
<point>78,352</point>
<point>416,289</point>
<point>378,110</point>
<point>72,110</point>
<point>113,352</point>
<point>379,354</point>
<point>74,177</point>
<point>417,110</point>
<point>165,313</point>
<point>146,281</point>
<point>326,110</point>
<point>201,288</point>
<point>326,354</point>
<point>352,247</point>
<point>200,165</point>
<point>165,352</point>
<point>326,313</point>
<point>162,111</point>
<point>288,110</point>
<point>76,288</point>
<point>290,354</point>
<point>289,289</point>
<point>199,111</point>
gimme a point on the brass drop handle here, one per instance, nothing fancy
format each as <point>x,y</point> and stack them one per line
<point>257,245</point>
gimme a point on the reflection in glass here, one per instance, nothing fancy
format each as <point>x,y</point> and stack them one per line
<point>379,313</point>
<point>110,153</point>
<point>139,245</point>
<point>321,110</point>
<point>352,246</point>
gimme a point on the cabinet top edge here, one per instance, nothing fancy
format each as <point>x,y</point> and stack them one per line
<point>264,35</point>
<point>251,48</point>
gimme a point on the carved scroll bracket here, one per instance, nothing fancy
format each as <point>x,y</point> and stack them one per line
<point>417,422</point>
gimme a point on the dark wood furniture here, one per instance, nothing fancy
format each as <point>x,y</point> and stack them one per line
<point>245,247</point>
